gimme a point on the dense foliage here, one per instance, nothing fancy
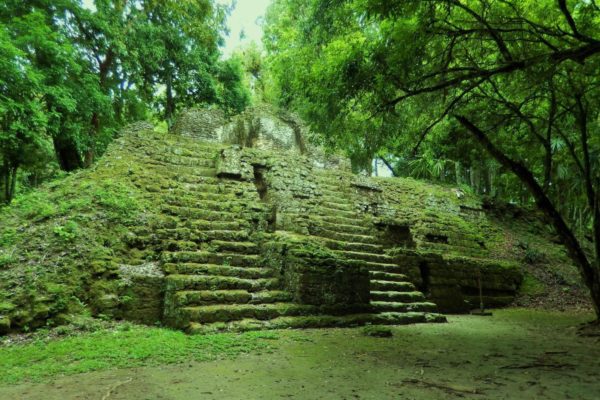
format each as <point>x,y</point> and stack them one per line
<point>71,75</point>
<point>500,94</point>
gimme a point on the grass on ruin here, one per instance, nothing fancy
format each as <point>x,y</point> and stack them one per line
<point>44,355</point>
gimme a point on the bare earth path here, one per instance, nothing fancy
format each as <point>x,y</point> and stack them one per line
<point>516,354</point>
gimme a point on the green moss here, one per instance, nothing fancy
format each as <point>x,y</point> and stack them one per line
<point>52,239</point>
<point>123,346</point>
<point>377,331</point>
<point>531,286</point>
<point>67,232</point>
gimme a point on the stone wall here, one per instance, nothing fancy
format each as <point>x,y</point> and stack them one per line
<point>142,289</point>
<point>316,276</point>
<point>201,123</point>
<point>453,282</point>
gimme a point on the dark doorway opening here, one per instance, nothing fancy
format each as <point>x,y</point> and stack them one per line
<point>425,278</point>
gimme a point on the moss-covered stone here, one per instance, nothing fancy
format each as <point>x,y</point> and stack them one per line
<point>163,220</point>
<point>314,274</point>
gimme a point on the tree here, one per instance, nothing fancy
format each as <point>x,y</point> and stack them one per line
<point>100,68</point>
<point>517,79</point>
<point>67,87</point>
<point>22,121</point>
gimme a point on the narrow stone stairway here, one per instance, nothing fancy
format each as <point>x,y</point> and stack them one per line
<point>216,275</point>
<point>344,231</point>
<point>205,236</point>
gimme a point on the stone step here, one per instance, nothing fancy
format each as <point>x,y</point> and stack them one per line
<point>383,306</point>
<point>212,269</point>
<point>337,203</point>
<point>221,204</point>
<point>338,220</point>
<point>337,192</point>
<point>316,321</point>
<point>344,237</point>
<point>213,282</point>
<point>384,267</point>
<point>331,189</point>
<point>204,297</point>
<point>200,213</point>
<point>160,143</point>
<point>364,256</point>
<point>176,245</point>
<point>234,247</point>
<point>234,312</point>
<point>175,160</point>
<point>332,180</point>
<point>200,195</point>
<point>206,225</point>
<point>386,276</point>
<point>205,257</point>
<point>403,297</point>
<point>230,204</point>
<point>203,186</point>
<point>165,243</point>
<point>270,296</point>
<point>189,179</point>
<point>175,171</point>
<point>350,246</point>
<point>202,236</point>
<point>331,212</point>
<point>161,162</point>
<point>353,229</point>
<point>392,286</point>
<point>336,199</point>
<point>213,297</point>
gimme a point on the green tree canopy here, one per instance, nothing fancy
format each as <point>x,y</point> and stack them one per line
<point>89,71</point>
<point>505,84</point>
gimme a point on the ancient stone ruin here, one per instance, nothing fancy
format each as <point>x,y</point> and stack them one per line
<point>258,230</point>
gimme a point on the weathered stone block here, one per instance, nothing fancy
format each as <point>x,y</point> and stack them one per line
<point>142,296</point>
<point>327,285</point>
<point>315,275</point>
<point>229,163</point>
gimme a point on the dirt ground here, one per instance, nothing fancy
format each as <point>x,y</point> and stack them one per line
<point>515,354</point>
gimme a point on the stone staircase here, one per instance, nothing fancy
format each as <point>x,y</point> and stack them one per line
<point>214,268</point>
<point>343,230</point>
<point>209,233</point>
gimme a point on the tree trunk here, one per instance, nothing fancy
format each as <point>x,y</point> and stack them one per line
<point>13,183</point>
<point>170,105</point>
<point>458,173</point>
<point>5,183</point>
<point>389,165</point>
<point>9,173</point>
<point>90,153</point>
<point>103,70</point>
<point>588,270</point>
<point>67,155</point>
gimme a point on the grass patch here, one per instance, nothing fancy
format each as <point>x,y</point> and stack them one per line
<point>122,347</point>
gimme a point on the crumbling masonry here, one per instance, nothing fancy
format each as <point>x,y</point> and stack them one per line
<point>258,230</point>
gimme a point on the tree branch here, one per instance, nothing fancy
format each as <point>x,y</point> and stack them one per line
<point>493,33</point>
<point>562,4</point>
<point>543,202</point>
<point>579,54</point>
